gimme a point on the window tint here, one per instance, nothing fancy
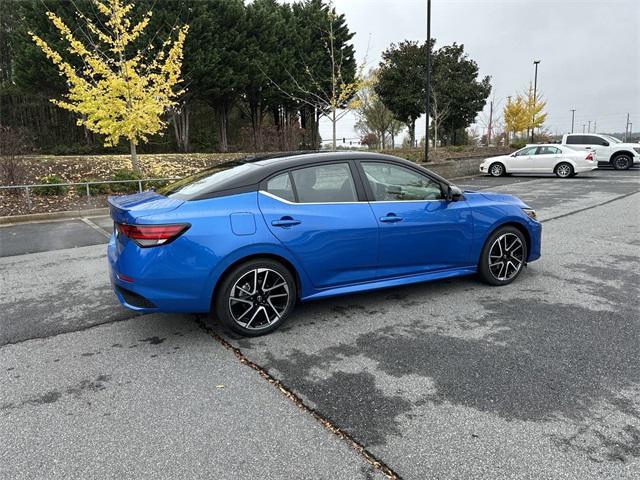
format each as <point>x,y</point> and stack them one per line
<point>548,151</point>
<point>592,140</point>
<point>575,140</point>
<point>526,151</point>
<point>280,186</point>
<point>325,183</point>
<point>393,182</point>
<point>209,180</point>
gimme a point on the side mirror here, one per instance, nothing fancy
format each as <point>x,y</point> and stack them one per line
<point>605,144</point>
<point>453,193</point>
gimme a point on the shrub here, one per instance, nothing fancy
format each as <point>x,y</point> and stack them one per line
<point>518,144</point>
<point>54,190</point>
<point>125,174</point>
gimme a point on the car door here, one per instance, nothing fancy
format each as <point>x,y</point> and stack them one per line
<point>420,231</point>
<point>320,216</point>
<point>522,160</point>
<point>546,158</point>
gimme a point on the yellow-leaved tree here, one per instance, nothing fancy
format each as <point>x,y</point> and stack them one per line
<point>526,112</point>
<point>119,91</point>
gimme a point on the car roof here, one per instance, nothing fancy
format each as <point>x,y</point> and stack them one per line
<point>265,165</point>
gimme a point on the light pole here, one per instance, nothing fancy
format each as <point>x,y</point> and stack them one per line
<point>428,82</point>
<point>573,113</point>
<point>535,87</point>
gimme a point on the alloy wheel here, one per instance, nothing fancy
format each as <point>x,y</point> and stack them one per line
<point>258,298</point>
<point>496,170</point>
<point>506,256</point>
<point>563,170</point>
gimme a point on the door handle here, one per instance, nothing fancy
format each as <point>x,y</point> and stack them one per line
<point>285,222</point>
<point>391,218</point>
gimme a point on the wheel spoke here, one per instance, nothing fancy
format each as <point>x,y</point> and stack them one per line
<point>243,300</point>
<point>275,286</point>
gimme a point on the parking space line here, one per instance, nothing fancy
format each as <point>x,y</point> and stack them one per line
<point>374,461</point>
<point>95,227</point>
<point>589,207</point>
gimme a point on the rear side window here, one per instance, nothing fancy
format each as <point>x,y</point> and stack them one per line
<point>548,151</point>
<point>281,187</point>
<point>325,184</point>
<point>575,140</point>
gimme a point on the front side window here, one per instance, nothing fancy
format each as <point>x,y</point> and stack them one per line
<point>526,151</point>
<point>593,140</point>
<point>325,184</point>
<point>395,183</point>
<point>281,187</point>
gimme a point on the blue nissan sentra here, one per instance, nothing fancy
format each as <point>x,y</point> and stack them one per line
<point>248,239</point>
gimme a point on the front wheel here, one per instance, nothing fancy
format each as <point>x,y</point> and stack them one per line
<point>621,162</point>
<point>564,170</point>
<point>256,298</point>
<point>503,256</point>
<point>497,170</point>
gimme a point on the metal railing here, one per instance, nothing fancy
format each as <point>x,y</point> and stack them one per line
<point>87,185</point>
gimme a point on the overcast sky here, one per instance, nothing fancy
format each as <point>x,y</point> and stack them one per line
<point>589,51</point>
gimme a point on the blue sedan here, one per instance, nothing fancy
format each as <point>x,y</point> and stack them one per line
<point>248,239</point>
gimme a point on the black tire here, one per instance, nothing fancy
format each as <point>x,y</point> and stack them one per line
<point>496,169</point>
<point>260,304</point>
<point>564,170</point>
<point>491,275</point>
<point>622,161</point>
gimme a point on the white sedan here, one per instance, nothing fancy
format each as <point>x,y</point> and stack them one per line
<point>549,158</point>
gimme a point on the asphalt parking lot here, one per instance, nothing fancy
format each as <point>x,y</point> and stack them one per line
<point>451,379</point>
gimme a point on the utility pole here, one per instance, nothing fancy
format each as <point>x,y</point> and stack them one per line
<point>490,124</point>
<point>589,129</point>
<point>573,114</point>
<point>428,80</point>
<point>626,128</point>
<point>595,130</point>
<point>583,127</point>
<point>535,87</point>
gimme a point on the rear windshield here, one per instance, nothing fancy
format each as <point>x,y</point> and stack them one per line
<point>207,181</point>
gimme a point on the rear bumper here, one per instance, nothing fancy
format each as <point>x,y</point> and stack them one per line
<point>585,168</point>
<point>157,285</point>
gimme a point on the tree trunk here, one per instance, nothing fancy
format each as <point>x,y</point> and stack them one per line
<point>412,132</point>
<point>333,127</point>
<point>181,128</point>
<point>134,157</point>
<point>222,128</point>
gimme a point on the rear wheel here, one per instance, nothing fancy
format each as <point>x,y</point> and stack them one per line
<point>621,161</point>
<point>564,170</point>
<point>256,297</point>
<point>496,170</point>
<point>503,256</point>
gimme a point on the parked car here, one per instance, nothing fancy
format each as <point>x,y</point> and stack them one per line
<point>249,239</point>
<point>548,158</point>
<point>609,150</point>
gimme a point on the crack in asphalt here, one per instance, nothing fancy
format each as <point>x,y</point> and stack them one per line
<point>374,461</point>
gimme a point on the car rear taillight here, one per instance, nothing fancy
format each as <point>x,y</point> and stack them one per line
<point>589,157</point>
<point>152,235</point>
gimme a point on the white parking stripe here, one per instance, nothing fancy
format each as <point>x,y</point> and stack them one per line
<point>95,227</point>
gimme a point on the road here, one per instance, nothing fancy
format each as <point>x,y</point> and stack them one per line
<point>451,379</point>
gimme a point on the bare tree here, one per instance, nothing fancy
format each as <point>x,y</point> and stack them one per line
<point>330,102</point>
<point>439,113</point>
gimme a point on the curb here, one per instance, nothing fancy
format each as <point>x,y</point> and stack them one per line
<point>43,217</point>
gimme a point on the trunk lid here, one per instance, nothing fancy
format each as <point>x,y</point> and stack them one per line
<point>129,208</point>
